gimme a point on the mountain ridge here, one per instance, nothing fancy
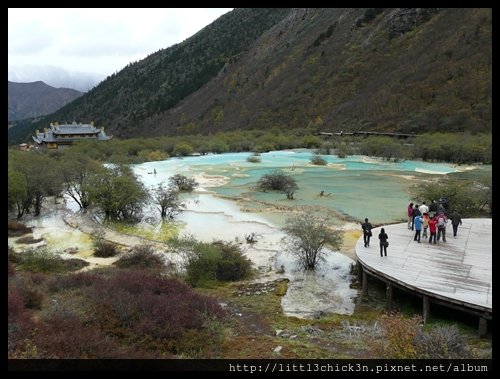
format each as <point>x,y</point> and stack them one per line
<point>33,99</point>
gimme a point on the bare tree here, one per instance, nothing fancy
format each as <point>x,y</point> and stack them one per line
<point>166,201</point>
<point>306,238</point>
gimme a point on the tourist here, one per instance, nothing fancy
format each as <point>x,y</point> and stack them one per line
<point>367,232</point>
<point>455,221</point>
<point>423,208</point>
<point>418,227</point>
<point>383,237</point>
<point>425,224</point>
<point>416,212</point>
<point>432,229</point>
<point>410,214</point>
<point>433,209</point>
<point>441,226</point>
<point>444,204</point>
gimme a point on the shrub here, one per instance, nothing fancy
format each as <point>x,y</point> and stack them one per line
<point>71,281</point>
<point>442,342</point>
<point>146,305</point>
<point>232,264</point>
<point>265,147</point>
<point>106,249</point>
<point>28,286</point>
<point>16,228</point>
<point>254,158</point>
<point>140,257</point>
<point>306,238</point>
<point>343,150</point>
<point>278,181</point>
<point>29,240</point>
<point>15,304</point>
<point>202,265</point>
<point>19,327</point>
<point>182,183</point>
<point>401,335</point>
<point>318,160</point>
<point>311,142</point>
<point>10,267</point>
<point>44,260</point>
<point>217,261</point>
<point>100,313</point>
<point>183,149</point>
<point>66,336</point>
<point>103,248</point>
<point>13,256</point>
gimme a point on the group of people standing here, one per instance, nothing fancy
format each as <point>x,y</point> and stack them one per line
<point>432,218</point>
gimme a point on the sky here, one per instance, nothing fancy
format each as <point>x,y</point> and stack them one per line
<point>100,41</point>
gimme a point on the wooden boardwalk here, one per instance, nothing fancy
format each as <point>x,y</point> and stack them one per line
<point>457,273</point>
<point>363,133</point>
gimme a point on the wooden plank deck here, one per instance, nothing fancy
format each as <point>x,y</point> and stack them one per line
<point>458,271</point>
<point>364,133</point>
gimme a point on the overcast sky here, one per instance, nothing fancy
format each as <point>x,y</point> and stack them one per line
<point>98,40</point>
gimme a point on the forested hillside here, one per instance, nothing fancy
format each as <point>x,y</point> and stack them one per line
<point>126,99</point>
<point>405,70</point>
<point>410,70</point>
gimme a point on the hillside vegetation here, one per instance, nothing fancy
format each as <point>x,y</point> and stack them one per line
<point>410,70</point>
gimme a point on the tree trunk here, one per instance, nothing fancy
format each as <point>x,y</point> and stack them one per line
<point>20,210</point>
<point>38,205</point>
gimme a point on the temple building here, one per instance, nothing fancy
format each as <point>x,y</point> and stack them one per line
<point>61,136</point>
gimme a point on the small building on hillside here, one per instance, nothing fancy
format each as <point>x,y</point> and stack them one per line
<point>61,136</point>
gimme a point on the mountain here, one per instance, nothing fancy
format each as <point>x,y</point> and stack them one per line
<point>395,69</point>
<point>55,76</point>
<point>28,100</point>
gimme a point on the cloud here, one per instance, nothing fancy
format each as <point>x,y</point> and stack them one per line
<point>100,40</point>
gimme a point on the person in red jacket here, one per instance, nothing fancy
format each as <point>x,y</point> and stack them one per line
<point>410,215</point>
<point>432,229</point>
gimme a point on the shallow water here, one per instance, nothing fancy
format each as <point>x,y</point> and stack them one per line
<point>58,236</point>
<point>326,290</point>
<point>355,187</point>
<point>226,207</point>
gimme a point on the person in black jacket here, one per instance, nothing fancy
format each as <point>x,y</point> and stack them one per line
<point>383,237</point>
<point>367,232</point>
<point>433,208</point>
<point>455,221</point>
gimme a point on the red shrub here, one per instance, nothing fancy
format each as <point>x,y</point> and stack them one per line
<point>148,305</point>
<point>119,315</point>
<point>71,281</point>
<point>11,269</point>
<point>15,304</point>
<point>20,324</point>
<point>65,336</point>
<point>30,286</point>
